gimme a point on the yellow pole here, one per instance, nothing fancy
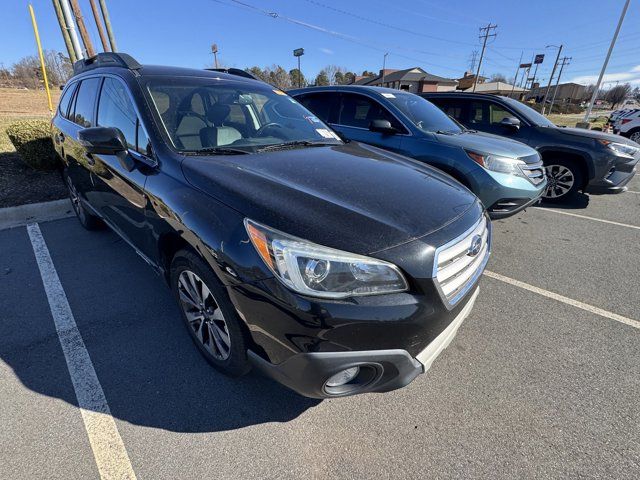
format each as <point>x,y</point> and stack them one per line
<point>44,70</point>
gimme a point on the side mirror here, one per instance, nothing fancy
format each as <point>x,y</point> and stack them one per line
<point>102,140</point>
<point>382,126</point>
<point>510,123</point>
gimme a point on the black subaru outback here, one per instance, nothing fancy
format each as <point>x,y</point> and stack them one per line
<point>336,268</point>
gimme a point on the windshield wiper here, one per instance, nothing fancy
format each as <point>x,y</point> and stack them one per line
<point>217,151</point>
<point>296,143</point>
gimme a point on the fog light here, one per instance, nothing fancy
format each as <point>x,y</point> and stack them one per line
<point>343,377</point>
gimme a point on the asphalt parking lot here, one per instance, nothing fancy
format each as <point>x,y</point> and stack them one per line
<point>533,386</point>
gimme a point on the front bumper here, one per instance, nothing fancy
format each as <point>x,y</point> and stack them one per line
<point>616,179</point>
<point>504,195</point>
<point>380,370</point>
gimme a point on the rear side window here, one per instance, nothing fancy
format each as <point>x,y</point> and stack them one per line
<point>359,111</point>
<point>453,108</point>
<point>321,104</point>
<point>116,110</point>
<point>63,107</point>
<point>85,102</point>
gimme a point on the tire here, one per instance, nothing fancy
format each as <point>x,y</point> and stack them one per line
<point>634,135</point>
<point>86,219</point>
<point>564,180</point>
<point>209,315</point>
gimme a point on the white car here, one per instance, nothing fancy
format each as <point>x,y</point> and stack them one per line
<point>628,125</point>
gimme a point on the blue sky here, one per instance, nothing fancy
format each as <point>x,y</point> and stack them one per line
<point>438,36</point>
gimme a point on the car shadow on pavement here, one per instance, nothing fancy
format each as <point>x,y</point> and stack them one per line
<point>578,202</point>
<point>150,371</point>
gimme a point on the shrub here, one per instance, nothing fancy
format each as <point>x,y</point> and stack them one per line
<point>32,140</point>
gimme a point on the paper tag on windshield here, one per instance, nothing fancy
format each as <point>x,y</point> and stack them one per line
<point>324,133</point>
<point>388,95</point>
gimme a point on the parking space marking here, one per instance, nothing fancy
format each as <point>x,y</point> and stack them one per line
<point>633,191</point>
<point>561,298</point>
<point>108,449</point>
<point>587,218</point>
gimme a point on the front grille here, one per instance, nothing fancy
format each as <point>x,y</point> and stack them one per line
<point>534,172</point>
<point>457,265</point>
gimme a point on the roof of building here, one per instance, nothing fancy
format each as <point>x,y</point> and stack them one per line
<point>414,74</point>
<point>494,87</point>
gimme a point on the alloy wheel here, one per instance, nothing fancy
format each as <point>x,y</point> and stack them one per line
<point>635,136</point>
<point>560,180</point>
<point>204,315</point>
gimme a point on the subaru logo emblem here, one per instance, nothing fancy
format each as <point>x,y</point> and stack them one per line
<point>476,246</point>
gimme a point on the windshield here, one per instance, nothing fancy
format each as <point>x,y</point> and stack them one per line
<point>422,113</point>
<point>203,115</point>
<point>529,113</point>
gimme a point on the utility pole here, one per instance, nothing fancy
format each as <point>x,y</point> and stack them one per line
<point>515,78</point>
<point>606,61</point>
<point>75,6</point>
<point>565,61</point>
<point>485,34</point>
<point>96,16</point>
<point>107,24</point>
<point>384,66</point>
<point>65,30</point>
<point>71,26</point>
<point>553,71</point>
<point>214,50</point>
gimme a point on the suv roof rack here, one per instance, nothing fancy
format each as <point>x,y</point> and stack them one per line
<point>106,59</point>
<point>234,71</point>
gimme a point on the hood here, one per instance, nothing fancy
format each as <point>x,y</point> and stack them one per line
<point>353,197</point>
<point>490,144</point>
<point>596,135</point>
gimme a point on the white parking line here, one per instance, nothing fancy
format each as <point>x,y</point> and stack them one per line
<point>587,218</point>
<point>561,298</point>
<point>109,451</point>
<point>633,191</point>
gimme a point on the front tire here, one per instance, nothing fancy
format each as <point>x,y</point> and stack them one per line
<point>564,180</point>
<point>86,219</point>
<point>634,135</point>
<point>209,315</point>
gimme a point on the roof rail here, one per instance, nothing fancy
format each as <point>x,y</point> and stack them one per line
<point>106,59</point>
<point>234,71</point>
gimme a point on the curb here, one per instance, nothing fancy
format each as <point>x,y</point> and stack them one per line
<point>35,212</point>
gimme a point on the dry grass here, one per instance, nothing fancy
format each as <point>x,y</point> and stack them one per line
<point>17,104</point>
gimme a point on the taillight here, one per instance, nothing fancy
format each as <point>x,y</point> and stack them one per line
<point>625,120</point>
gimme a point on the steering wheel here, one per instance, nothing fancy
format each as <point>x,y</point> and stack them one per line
<point>262,129</point>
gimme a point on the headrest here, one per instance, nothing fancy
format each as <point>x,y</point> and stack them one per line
<point>218,113</point>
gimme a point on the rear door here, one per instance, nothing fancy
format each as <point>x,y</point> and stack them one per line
<point>121,194</point>
<point>356,112</point>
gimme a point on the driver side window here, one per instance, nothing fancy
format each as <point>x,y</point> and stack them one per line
<point>359,111</point>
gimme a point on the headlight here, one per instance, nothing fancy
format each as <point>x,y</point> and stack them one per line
<point>320,271</point>
<point>498,164</point>
<point>620,149</point>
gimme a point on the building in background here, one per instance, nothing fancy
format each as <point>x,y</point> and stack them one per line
<point>567,93</point>
<point>498,88</point>
<point>467,80</point>
<point>414,80</point>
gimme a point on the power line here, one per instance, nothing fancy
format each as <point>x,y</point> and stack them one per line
<point>383,24</point>
<point>349,38</point>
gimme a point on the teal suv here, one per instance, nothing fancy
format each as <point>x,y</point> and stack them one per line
<point>506,175</point>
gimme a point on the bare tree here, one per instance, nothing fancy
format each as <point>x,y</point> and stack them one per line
<point>617,94</point>
<point>498,77</point>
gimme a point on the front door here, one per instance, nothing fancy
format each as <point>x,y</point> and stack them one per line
<point>120,192</point>
<point>356,112</point>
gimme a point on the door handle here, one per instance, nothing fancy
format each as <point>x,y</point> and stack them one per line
<point>89,158</point>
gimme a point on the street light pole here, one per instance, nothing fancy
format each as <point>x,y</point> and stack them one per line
<point>606,61</point>
<point>384,66</point>
<point>565,61</point>
<point>298,52</point>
